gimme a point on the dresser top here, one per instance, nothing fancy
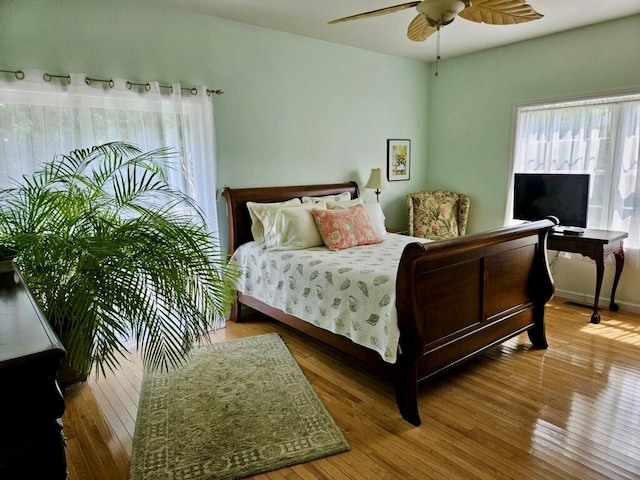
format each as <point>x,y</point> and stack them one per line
<point>24,332</point>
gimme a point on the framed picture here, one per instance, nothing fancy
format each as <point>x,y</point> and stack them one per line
<point>398,160</point>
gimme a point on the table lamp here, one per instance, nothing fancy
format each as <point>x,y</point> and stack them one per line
<point>378,181</point>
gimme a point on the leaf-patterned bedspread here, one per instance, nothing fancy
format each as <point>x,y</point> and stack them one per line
<point>349,292</point>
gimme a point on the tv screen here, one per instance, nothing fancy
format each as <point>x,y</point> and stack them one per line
<point>538,195</point>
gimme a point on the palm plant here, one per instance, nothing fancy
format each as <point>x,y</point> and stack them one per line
<point>110,251</point>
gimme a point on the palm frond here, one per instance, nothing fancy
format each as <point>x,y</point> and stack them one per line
<point>106,249</point>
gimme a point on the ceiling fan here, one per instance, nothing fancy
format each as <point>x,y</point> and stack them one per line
<point>434,14</point>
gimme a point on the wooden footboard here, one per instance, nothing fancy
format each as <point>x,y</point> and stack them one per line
<point>459,297</point>
<point>454,298</point>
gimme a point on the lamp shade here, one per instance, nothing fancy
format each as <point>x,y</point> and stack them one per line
<point>377,180</point>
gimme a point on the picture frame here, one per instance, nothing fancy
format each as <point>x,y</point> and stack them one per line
<point>398,159</point>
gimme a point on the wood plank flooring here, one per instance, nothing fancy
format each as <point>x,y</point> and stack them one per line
<point>569,412</point>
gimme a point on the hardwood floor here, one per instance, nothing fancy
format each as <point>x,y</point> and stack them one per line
<point>569,412</point>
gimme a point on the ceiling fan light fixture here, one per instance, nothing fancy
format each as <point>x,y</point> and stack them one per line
<point>441,12</point>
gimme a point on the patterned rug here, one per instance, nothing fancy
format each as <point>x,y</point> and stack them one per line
<point>238,408</point>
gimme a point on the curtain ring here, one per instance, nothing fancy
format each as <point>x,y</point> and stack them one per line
<point>147,86</point>
<point>19,74</point>
<point>109,82</point>
<point>47,77</point>
<point>194,91</point>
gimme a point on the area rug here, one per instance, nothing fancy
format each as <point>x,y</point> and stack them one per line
<point>238,408</point>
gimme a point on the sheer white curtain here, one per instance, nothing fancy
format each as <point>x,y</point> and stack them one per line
<point>600,137</point>
<point>43,115</point>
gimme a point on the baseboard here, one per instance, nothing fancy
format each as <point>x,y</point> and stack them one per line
<point>587,300</point>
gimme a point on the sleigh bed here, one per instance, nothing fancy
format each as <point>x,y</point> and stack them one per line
<point>449,299</point>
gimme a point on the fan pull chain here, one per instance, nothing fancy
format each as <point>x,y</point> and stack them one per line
<point>437,49</point>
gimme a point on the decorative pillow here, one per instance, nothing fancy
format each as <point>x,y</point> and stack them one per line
<point>377,217</point>
<point>294,228</point>
<point>341,197</point>
<point>262,216</point>
<point>373,210</point>
<point>342,229</point>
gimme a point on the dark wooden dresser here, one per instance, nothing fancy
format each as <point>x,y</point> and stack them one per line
<point>31,404</point>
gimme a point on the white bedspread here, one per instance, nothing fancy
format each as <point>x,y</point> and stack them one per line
<point>349,292</point>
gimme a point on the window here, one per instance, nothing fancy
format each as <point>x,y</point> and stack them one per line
<point>41,116</point>
<point>600,137</point>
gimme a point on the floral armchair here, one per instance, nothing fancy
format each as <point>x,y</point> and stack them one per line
<point>437,214</point>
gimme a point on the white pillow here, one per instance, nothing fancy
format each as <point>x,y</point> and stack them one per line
<point>345,204</point>
<point>294,228</point>
<point>341,197</point>
<point>263,214</point>
<point>377,217</point>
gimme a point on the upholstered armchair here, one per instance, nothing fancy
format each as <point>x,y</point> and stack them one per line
<point>437,214</point>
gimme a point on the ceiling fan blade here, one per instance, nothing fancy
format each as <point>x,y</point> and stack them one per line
<point>419,29</point>
<point>376,13</point>
<point>500,12</point>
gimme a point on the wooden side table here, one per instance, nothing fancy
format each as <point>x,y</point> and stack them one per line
<point>595,244</point>
<point>399,231</point>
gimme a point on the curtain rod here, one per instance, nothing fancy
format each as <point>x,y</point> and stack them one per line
<point>47,77</point>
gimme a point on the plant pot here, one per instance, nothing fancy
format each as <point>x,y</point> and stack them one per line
<point>68,377</point>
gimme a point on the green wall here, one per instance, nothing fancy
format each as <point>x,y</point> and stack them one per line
<point>297,110</point>
<point>294,110</point>
<point>471,115</point>
<point>472,103</point>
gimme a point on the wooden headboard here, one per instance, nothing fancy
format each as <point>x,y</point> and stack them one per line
<point>239,221</point>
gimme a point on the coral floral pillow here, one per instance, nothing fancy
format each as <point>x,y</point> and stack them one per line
<point>342,229</point>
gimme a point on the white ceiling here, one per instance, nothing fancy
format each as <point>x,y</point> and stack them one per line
<point>387,33</point>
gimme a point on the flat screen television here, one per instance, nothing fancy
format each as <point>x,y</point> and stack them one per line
<point>563,195</point>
